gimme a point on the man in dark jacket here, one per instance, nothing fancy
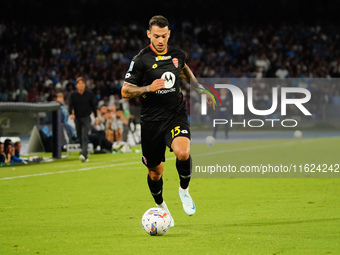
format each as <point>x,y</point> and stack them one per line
<point>81,103</point>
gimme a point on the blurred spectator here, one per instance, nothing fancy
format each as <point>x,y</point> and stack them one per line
<point>1,148</point>
<point>65,115</point>
<point>336,97</point>
<point>119,122</point>
<point>17,149</point>
<point>6,156</point>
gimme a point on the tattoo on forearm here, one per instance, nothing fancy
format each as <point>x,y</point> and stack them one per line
<point>132,91</point>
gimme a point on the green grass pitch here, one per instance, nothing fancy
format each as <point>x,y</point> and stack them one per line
<point>68,207</point>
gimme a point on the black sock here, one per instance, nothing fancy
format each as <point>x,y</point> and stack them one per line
<point>156,188</point>
<point>184,171</point>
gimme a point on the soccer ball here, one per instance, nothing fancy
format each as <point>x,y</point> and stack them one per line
<point>210,140</point>
<point>156,221</point>
<point>297,134</point>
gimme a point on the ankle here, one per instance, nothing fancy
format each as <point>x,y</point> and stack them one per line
<point>183,191</point>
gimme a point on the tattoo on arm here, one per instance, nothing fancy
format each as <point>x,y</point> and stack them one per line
<point>130,92</point>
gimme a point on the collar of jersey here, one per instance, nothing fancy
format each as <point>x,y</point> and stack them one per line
<point>167,48</point>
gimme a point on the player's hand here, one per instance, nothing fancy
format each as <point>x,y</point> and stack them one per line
<point>72,116</point>
<point>157,85</point>
<point>210,102</point>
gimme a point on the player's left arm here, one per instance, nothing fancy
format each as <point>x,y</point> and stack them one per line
<point>188,76</point>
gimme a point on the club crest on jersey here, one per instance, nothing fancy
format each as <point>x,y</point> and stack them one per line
<point>175,61</point>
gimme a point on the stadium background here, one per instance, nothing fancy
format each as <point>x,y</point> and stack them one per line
<point>44,46</point>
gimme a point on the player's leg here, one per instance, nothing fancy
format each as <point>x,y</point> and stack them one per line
<point>78,123</point>
<point>155,182</point>
<point>227,126</point>
<point>153,148</point>
<point>181,148</point>
<point>86,126</point>
<point>178,137</point>
<point>215,130</point>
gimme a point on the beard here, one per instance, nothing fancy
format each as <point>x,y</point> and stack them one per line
<point>159,49</point>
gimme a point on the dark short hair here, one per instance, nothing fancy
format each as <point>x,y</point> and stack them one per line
<point>159,21</point>
<point>8,142</point>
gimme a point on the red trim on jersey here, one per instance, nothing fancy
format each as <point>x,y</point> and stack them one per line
<point>167,48</point>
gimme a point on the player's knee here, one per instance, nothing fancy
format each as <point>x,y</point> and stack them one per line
<point>182,155</point>
<point>155,173</point>
<point>155,176</point>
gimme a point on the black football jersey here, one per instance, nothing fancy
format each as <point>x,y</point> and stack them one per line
<point>148,66</point>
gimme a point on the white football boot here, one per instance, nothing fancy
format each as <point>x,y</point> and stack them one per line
<point>187,202</point>
<point>165,208</point>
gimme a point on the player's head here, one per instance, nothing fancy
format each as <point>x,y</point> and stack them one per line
<point>159,33</point>
<point>81,85</point>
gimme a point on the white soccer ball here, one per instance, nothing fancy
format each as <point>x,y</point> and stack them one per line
<point>297,134</point>
<point>210,140</point>
<point>156,221</point>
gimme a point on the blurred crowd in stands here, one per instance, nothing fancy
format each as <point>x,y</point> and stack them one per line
<point>37,62</point>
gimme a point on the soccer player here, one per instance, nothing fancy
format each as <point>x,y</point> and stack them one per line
<point>155,75</point>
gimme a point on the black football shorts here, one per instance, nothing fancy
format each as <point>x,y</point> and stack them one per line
<point>156,135</point>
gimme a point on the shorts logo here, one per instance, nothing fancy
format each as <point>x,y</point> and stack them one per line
<point>177,130</point>
<point>170,79</point>
<point>175,61</point>
<point>154,66</point>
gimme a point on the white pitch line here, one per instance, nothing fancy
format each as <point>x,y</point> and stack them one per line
<point>136,162</point>
<point>67,171</point>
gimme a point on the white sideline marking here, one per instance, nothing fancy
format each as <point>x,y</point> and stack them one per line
<point>138,162</point>
<point>67,171</point>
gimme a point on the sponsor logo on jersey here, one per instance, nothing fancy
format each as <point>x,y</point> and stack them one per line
<point>159,58</point>
<point>165,91</point>
<point>175,61</point>
<point>170,79</point>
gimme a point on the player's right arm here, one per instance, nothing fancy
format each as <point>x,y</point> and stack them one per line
<point>130,91</point>
<point>133,85</point>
